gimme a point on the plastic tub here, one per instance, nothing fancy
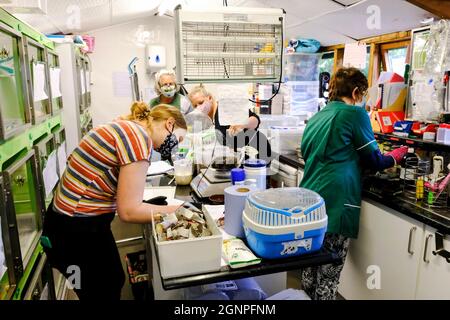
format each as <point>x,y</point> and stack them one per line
<point>191,256</point>
<point>183,171</point>
<point>256,169</point>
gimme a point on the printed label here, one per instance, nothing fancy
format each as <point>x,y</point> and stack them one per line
<point>387,121</point>
<point>292,246</point>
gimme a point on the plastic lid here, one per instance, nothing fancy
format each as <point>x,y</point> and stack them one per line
<point>237,174</point>
<point>255,163</point>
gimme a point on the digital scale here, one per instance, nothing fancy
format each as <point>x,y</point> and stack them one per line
<point>211,182</point>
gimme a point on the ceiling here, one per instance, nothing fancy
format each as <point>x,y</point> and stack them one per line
<point>330,22</point>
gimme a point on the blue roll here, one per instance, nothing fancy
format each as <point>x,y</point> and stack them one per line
<point>235,197</point>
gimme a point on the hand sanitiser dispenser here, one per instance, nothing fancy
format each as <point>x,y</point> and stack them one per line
<point>155,57</point>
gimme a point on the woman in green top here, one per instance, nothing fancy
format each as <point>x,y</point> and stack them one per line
<point>336,141</point>
<point>167,89</point>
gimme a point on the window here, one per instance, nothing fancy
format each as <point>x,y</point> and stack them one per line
<point>366,69</point>
<point>393,57</point>
<point>396,60</point>
<point>326,63</point>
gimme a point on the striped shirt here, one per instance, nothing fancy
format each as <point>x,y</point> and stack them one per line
<point>89,184</point>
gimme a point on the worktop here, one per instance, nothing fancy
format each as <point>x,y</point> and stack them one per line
<point>436,218</point>
<point>266,267</point>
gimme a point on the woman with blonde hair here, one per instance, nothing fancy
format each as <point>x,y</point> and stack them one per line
<point>106,174</point>
<point>204,101</point>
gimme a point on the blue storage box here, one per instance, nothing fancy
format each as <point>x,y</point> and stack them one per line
<point>284,222</point>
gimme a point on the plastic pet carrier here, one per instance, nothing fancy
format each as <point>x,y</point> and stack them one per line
<point>284,222</point>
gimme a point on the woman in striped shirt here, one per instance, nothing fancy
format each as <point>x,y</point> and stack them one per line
<point>106,173</point>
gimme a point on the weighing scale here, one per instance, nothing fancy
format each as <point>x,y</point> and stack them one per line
<point>211,182</point>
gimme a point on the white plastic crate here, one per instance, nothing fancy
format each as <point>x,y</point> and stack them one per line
<point>302,67</point>
<point>191,256</point>
<point>286,140</point>
<point>268,120</point>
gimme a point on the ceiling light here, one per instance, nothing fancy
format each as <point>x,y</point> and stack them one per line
<point>427,20</point>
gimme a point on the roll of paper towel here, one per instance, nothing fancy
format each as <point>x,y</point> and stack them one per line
<point>235,197</point>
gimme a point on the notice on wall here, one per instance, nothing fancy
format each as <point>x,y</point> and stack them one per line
<point>121,84</point>
<point>39,82</point>
<point>50,174</point>
<point>233,104</point>
<point>355,55</point>
<point>55,82</point>
<point>62,158</point>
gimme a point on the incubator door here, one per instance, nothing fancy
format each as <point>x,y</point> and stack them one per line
<point>25,203</point>
<point>12,109</point>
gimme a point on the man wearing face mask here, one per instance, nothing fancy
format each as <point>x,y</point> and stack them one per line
<point>167,90</point>
<point>338,141</point>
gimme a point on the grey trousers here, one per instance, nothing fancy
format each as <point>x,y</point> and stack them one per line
<point>321,283</point>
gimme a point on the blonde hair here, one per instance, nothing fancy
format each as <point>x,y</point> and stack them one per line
<point>199,89</point>
<point>140,111</point>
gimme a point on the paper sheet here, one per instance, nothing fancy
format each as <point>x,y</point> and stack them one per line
<point>121,84</point>
<point>62,158</point>
<point>39,82</point>
<point>355,55</point>
<point>158,167</point>
<point>50,174</point>
<point>233,104</point>
<point>55,82</point>
<point>264,92</point>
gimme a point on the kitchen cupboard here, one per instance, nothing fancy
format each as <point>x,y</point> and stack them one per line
<point>388,247</point>
<point>434,272</point>
<point>397,251</point>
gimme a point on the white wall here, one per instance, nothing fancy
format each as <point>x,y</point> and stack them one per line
<point>115,46</point>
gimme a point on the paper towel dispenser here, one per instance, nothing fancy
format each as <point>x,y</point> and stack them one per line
<point>155,57</point>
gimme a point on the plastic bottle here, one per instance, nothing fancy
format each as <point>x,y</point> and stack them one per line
<point>410,159</point>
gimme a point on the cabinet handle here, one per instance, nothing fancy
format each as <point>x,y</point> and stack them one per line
<point>425,251</point>
<point>411,233</point>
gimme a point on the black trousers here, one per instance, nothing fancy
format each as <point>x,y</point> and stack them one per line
<point>83,249</point>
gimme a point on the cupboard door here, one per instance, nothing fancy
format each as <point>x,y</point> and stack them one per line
<point>434,273</point>
<point>383,262</point>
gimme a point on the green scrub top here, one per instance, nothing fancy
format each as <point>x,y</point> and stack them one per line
<point>176,101</point>
<point>333,141</point>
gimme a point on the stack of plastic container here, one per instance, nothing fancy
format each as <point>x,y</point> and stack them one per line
<point>301,89</point>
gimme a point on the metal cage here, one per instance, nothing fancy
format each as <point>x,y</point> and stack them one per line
<point>229,44</point>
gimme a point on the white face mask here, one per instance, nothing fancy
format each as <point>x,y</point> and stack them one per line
<point>168,91</point>
<point>205,107</point>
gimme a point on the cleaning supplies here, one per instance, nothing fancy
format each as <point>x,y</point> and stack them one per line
<point>256,169</point>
